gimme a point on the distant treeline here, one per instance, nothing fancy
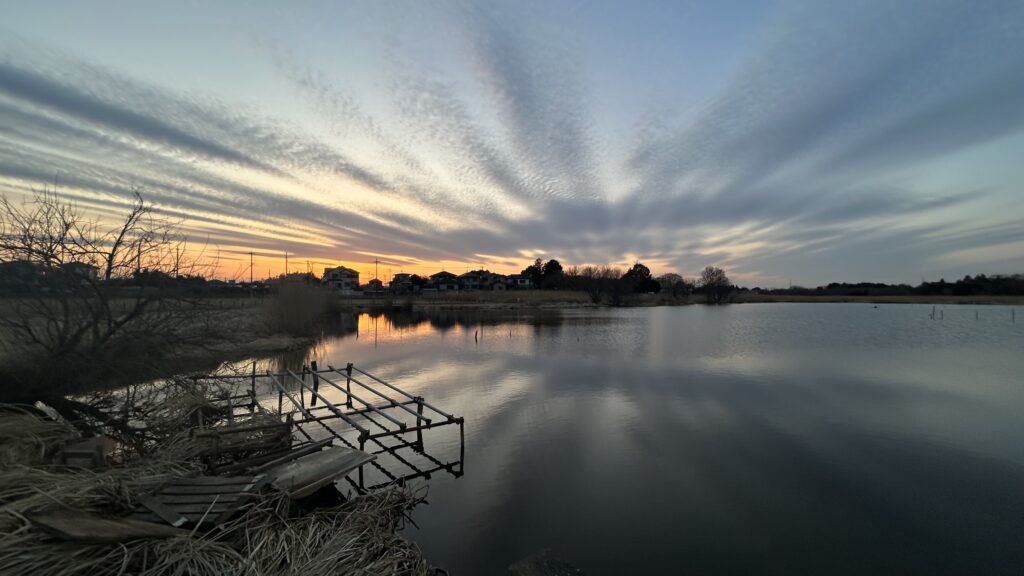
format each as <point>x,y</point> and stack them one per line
<point>996,285</point>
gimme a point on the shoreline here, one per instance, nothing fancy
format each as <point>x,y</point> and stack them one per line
<point>482,301</point>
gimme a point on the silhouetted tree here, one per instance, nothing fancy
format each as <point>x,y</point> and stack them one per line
<point>715,284</point>
<point>551,275</point>
<point>102,297</point>
<point>638,279</point>
<point>535,272</point>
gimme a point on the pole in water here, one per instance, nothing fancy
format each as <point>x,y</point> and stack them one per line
<point>475,334</point>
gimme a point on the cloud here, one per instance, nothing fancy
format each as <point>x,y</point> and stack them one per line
<point>808,151</point>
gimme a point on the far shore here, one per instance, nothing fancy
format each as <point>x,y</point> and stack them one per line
<point>1016,300</point>
<point>561,300</point>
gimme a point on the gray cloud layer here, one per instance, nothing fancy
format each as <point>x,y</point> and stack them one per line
<point>805,157</point>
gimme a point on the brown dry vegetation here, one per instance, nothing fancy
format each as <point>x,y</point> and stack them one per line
<point>270,536</point>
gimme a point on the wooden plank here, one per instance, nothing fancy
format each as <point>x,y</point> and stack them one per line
<point>200,507</point>
<point>265,462</point>
<point>310,473</point>
<point>212,481</point>
<point>295,454</point>
<point>81,527</point>
<point>166,513</point>
<point>259,482</point>
<point>218,498</point>
<point>191,518</point>
<point>224,490</point>
<point>175,499</point>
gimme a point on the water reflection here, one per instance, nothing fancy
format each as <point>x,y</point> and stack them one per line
<point>756,438</point>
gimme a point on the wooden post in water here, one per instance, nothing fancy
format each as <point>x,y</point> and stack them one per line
<point>316,384</point>
<point>302,389</point>
<point>362,445</point>
<point>348,386</point>
<point>462,444</point>
<point>419,429</point>
<point>252,388</point>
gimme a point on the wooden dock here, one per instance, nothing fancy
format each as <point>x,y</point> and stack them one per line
<point>346,407</point>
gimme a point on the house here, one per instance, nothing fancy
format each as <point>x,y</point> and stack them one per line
<point>87,272</point>
<point>341,278</point>
<point>444,281</point>
<point>20,275</point>
<point>402,283</point>
<point>469,281</point>
<point>520,282</point>
<point>374,286</point>
<point>493,281</point>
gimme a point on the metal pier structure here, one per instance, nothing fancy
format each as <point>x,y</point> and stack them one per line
<point>351,407</point>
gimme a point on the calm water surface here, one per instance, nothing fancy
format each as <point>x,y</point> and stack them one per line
<point>768,439</point>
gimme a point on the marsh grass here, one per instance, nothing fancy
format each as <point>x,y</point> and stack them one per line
<point>271,535</point>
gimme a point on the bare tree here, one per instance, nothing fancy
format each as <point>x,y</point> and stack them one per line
<point>715,284</point>
<point>84,293</point>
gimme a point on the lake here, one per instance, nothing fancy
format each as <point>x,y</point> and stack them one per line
<point>754,438</point>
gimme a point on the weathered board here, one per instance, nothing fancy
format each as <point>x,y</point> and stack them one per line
<point>82,527</point>
<point>314,471</point>
<point>206,500</point>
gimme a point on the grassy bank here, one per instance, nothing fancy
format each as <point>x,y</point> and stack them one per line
<point>550,299</point>
<point>205,333</point>
<point>910,299</point>
<point>271,534</point>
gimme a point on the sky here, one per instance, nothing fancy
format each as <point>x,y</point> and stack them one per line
<point>787,142</point>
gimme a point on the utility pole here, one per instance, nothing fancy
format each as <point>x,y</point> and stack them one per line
<point>252,292</point>
<point>286,263</point>
<point>376,265</point>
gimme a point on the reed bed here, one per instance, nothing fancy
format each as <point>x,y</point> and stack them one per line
<point>25,438</point>
<point>26,490</point>
<point>271,536</point>
<point>356,538</point>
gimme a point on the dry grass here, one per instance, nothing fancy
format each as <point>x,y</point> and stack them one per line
<point>271,536</point>
<point>297,308</point>
<point>25,438</point>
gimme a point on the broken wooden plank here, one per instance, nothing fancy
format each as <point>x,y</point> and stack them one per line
<point>205,500</point>
<point>217,481</point>
<point>314,471</point>
<point>166,513</point>
<point>91,528</point>
<point>232,489</point>
<point>295,454</point>
<point>195,498</point>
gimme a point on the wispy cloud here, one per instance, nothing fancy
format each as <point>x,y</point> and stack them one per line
<point>807,153</point>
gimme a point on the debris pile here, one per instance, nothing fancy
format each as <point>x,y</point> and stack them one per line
<point>232,497</point>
